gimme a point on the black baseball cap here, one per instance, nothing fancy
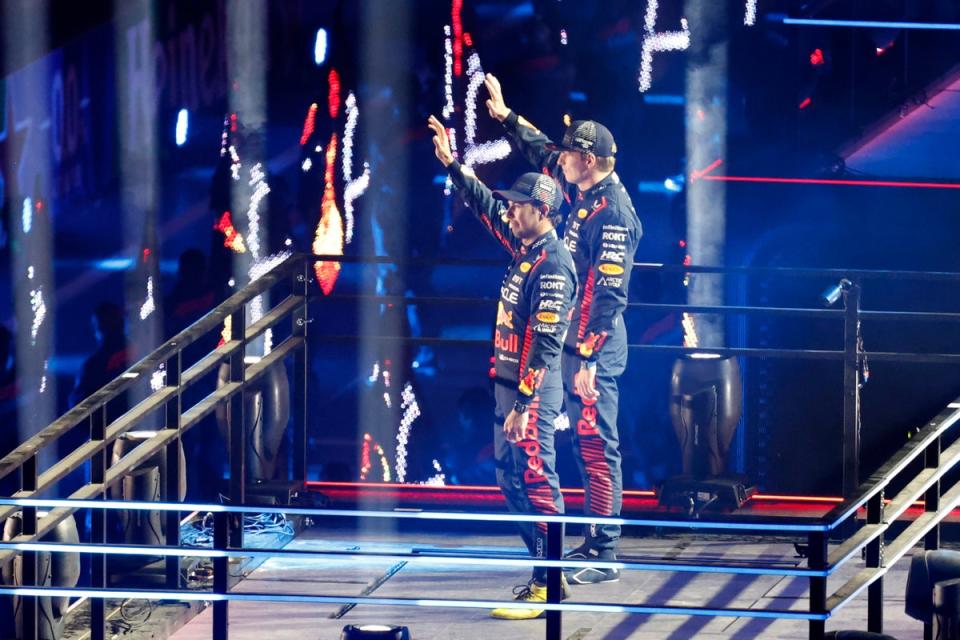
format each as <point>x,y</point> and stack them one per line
<point>534,187</point>
<point>587,136</point>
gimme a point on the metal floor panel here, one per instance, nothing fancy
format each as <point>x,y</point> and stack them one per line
<point>303,621</point>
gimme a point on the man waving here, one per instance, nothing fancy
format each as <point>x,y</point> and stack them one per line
<point>602,232</point>
<point>533,314</point>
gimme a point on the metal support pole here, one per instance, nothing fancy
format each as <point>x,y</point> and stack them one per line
<point>554,579</point>
<point>221,576</point>
<point>931,460</point>
<point>237,441</point>
<point>173,472</point>
<point>875,560</point>
<point>29,605</point>
<point>98,529</point>
<point>851,390</point>
<point>301,368</point>
<point>818,584</point>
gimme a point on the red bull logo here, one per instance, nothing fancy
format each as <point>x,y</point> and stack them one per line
<point>506,341</point>
<point>587,423</point>
<point>531,447</point>
<point>504,317</point>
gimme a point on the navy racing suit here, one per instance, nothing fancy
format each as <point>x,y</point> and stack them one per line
<point>533,314</point>
<point>602,232</point>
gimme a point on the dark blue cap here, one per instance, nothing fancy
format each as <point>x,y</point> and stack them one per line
<point>534,187</point>
<point>587,136</point>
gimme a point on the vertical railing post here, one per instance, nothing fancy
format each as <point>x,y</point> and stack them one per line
<point>237,440</point>
<point>29,605</point>
<point>851,389</point>
<point>931,542</point>
<point>875,561</point>
<point>172,484</point>
<point>818,584</point>
<point>221,575</point>
<point>554,579</point>
<point>301,364</point>
<point>98,528</point>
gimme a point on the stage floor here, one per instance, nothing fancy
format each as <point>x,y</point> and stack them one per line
<point>352,576</point>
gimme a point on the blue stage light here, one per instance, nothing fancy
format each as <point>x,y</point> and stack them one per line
<point>872,24</point>
<point>182,123</point>
<point>320,47</point>
<point>664,99</point>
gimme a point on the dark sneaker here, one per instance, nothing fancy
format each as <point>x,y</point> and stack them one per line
<point>590,575</point>
<point>583,552</point>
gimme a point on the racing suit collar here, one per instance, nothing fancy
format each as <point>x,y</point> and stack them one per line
<point>611,179</point>
<point>540,240</point>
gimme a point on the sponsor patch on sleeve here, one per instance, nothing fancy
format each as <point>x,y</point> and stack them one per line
<point>549,317</point>
<point>610,269</point>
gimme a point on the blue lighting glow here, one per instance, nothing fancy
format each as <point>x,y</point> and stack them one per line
<point>320,47</point>
<point>415,515</point>
<point>664,99</point>
<point>673,184</point>
<point>872,24</point>
<point>651,186</point>
<point>414,602</point>
<point>445,559</point>
<point>182,124</point>
<point>578,96</point>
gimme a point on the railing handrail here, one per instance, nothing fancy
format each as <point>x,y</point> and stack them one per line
<point>882,477</point>
<point>833,272</point>
<point>145,366</point>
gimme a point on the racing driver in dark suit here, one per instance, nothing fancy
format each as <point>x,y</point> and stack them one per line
<point>533,314</point>
<point>602,232</point>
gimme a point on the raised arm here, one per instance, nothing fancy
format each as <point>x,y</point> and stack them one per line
<point>531,142</point>
<point>478,198</point>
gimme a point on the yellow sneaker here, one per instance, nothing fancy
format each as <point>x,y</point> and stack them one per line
<point>533,593</point>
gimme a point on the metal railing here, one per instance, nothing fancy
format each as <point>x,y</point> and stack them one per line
<point>824,561</point>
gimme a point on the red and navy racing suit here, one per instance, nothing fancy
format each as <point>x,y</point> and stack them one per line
<point>602,232</point>
<point>533,315</point>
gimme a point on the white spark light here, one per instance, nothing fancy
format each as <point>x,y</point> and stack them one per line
<point>307,163</point>
<point>43,378</point>
<point>486,152</point>
<point>439,479</point>
<point>750,13</point>
<point>320,47</point>
<point>27,215</point>
<point>654,42</point>
<point>158,378</point>
<point>39,309</point>
<point>260,191</point>
<point>234,162</point>
<point>563,37</point>
<point>447,74</point>
<point>183,122</point>
<point>148,305</point>
<point>411,411</point>
<point>354,187</point>
<point>30,272</point>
